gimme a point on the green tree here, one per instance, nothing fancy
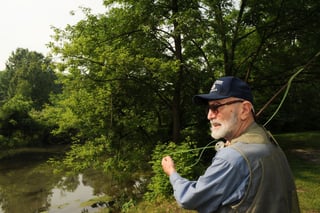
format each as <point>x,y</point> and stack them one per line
<point>126,53</point>
<point>26,84</point>
<point>15,122</point>
<point>29,74</point>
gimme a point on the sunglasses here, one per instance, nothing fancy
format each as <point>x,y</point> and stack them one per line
<point>215,107</point>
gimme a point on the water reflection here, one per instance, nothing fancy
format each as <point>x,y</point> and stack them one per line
<point>28,184</point>
<point>69,200</point>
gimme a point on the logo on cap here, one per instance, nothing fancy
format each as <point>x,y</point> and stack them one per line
<point>214,88</point>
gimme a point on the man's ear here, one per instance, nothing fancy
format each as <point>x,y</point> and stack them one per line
<point>246,110</point>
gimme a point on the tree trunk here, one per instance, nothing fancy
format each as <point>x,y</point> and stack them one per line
<point>176,113</point>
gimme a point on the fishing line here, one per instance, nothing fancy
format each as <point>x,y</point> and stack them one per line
<point>203,149</point>
<point>288,87</point>
<point>284,96</point>
<point>196,149</point>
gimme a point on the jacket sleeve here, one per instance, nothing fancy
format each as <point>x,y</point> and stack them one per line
<point>223,182</point>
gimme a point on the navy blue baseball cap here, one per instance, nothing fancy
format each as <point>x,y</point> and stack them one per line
<point>225,87</point>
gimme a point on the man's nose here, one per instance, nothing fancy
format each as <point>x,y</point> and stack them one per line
<point>211,114</point>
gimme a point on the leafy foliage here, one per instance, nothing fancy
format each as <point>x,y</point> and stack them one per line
<point>184,156</point>
<point>82,157</point>
<point>30,75</point>
<point>26,85</point>
<point>15,122</point>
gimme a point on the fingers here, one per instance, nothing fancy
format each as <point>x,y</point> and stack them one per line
<point>166,159</point>
<point>168,165</point>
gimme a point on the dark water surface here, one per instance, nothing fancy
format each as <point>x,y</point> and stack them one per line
<point>28,185</point>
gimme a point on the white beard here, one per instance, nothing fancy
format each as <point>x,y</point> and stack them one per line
<point>224,129</point>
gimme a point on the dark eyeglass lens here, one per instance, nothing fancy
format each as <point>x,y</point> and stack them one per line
<point>215,108</point>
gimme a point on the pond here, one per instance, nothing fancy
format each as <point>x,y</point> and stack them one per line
<point>29,185</point>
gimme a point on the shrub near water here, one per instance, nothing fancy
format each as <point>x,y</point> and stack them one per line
<point>183,155</point>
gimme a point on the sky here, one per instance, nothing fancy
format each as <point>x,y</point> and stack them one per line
<point>27,23</point>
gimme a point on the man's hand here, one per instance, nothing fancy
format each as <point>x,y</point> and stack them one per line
<point>168,165</point>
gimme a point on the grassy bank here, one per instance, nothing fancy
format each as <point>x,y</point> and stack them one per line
<point>303,152</point>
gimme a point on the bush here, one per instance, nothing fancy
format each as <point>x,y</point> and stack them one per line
<point>184,156</point>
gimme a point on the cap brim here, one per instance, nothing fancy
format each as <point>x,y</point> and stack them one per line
<point>204,98</point>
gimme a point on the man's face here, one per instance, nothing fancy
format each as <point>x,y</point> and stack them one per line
<point>223,116</point>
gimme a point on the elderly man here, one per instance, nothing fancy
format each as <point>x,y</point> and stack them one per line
<point>250,173</point>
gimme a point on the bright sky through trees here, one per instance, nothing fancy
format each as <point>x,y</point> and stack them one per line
<point>27,23</point>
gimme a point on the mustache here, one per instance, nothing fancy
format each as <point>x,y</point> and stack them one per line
<point>213,122</point>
